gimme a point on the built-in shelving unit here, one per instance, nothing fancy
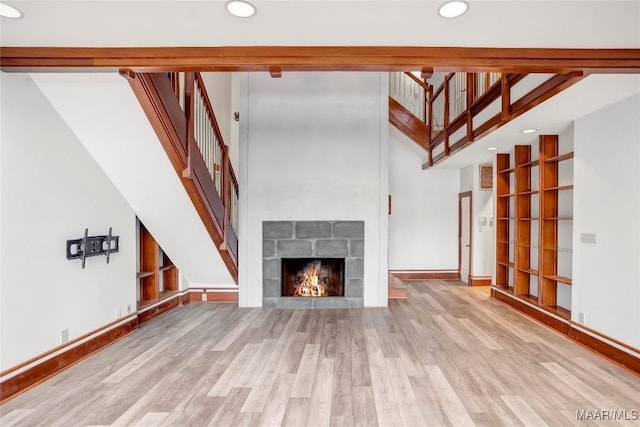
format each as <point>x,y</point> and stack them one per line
<point>534,207</point>
<point>157,276</point>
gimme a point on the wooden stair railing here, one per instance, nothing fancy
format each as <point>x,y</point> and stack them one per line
<point>446,123</point>
<point>193,142</point>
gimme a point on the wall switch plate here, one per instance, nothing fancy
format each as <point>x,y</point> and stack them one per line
<point>204,296</point>
<point>588,238</point>
<point>64,336</point>
<point>581,317</point>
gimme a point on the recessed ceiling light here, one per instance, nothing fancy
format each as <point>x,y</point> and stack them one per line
<point>240,8</point>
<point>9,11</point>
<point>492,148</point>
<point>529,131</point>
<point>453,9</point>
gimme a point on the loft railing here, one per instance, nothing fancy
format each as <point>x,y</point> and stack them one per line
<point>451,118</point>
<point>180,111</point>
<point>484,81</point>
<point>455,107</point>
<point>437,111</point>
<point>410,92</point>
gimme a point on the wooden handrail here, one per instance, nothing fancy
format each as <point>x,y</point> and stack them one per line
<point>417,80</point>
<point>175,126</point>
<point>499,91</point>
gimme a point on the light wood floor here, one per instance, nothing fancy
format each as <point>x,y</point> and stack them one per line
<point>447,356</point>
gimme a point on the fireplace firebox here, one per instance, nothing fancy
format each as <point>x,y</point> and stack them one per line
<point>312,277</point>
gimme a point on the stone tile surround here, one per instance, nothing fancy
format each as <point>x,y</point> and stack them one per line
<point>312,239</point>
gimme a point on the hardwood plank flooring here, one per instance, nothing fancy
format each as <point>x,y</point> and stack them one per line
<point>447,356</point>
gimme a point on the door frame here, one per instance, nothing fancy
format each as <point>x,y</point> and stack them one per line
<point>461,196</point>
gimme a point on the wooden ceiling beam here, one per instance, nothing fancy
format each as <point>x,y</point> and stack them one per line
<point>327,58</point>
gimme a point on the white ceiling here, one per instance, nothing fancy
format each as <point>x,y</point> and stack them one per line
<point>515,23</point>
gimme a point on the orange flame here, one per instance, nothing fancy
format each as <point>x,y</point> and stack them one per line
<point>309,285</point>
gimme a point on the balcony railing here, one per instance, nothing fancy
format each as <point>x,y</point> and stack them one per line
<point>410,92</point>
<point>465,107</point>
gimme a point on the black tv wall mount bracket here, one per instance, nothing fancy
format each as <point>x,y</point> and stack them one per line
<point>89,246</point>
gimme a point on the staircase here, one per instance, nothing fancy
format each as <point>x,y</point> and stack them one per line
<point>179,109</point>
<point>184,189</point>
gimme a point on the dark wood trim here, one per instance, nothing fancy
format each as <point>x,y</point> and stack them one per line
<point>275,72</point>
<point>546,90</point>
<point>461,196</point>
<point>542,316</point>
<point>607,350</point>
<point>214,294</point>
<point>325,58</point>
<point>39,372</point>
<point>406,122</point>
<point>185,298</point>
<point>425,274</point>
<point>147,313</point>
<point>480,281</point>
<point>417,80</point>
<point>98,339</point>
<point>489,126</point>
<point>576,332</point>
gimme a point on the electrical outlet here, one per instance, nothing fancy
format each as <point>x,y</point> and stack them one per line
<point>64,336</point>
<point>204,296</point>
<point>128,308</point>
<point>581,317</point>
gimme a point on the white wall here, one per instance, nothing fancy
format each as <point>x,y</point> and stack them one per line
<point>104,113</point>
<point>482,222</point>
<point>314,146</point>
<point>606,275</point>
<point>51,190</point>
<point>423,225</point>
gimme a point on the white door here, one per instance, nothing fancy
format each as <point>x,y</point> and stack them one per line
<point>465,238</point>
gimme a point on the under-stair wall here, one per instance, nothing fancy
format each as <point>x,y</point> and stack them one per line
<point>104,113</point>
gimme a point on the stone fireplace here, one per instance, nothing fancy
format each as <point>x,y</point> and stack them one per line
<point>312,264</point>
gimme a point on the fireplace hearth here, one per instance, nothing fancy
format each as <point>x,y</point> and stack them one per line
<point>327,250</point>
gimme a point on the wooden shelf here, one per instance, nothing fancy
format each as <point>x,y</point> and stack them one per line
<point>507,195</point>
<point>143,274</point>
<point>158,276</point>
<point>506,264</point>
<point>561,157</point>
<point>536,244</point>
<point>533,299</point>
<point>508,170</point>
<point>561,279</point>
<point>560,188</point>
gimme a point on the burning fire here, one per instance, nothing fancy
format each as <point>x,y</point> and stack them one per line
<point>308,283</point>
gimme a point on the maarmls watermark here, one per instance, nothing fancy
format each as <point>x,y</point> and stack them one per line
<point>606,415</point>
